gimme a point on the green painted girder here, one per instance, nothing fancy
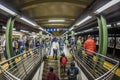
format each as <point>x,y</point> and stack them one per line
<point>100,35</point>
<point>9,47</point>
<point>103,35</point>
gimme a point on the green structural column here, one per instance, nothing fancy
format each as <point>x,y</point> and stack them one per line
<point>103,35</point>
<point>100,35</point>
<point>9,48</point>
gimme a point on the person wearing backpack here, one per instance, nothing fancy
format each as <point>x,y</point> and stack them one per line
<point>72,72</point>
<point>63,62</point>
<point>51,75</point>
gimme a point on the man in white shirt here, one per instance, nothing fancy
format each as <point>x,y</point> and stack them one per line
<point>55,48</point>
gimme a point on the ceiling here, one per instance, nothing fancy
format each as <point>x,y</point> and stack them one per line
<point>43,10</point>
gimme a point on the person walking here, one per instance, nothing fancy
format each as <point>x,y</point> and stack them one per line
<point>38,46</point>
<point>55,48</point>
<point>79,45</point>
<point>51,75</point>
<point>1,52</point>
<point>47,46</point>
<point>61,42</point>
<point>72,72</point>
<point>4,49</point>
<point>21,45</point>
<point>90,47</point>
<point>63,62</point>
<point>72,44</point>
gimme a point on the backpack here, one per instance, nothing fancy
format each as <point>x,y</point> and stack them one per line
<point>64,61</point>
<point>72,73</point>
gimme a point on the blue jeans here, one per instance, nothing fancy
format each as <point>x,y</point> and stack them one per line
<point>39,50</point>
<point>21,49</point>
<point>47,51</point>
<point>55,53</point>
<point>61,49</point>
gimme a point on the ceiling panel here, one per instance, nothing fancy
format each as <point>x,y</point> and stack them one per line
<point>43,10</point>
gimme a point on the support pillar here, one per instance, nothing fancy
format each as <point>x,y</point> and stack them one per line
<point>103,35</point>
<point>9,47</point>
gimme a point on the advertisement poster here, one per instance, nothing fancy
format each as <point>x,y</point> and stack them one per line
<point>118,42</point>
<point>111,42</point>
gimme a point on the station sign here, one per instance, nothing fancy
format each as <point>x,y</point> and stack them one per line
<point>56,29</point>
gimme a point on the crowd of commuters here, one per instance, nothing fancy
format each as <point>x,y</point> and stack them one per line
<point>24,43</point>
<point>57,44</point>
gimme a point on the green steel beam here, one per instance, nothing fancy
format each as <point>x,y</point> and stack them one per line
<point>9,48</point>
<point>100,35</point>
<point>105,36</point>
<point>10,36</point>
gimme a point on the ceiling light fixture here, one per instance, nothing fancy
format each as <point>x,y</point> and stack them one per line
<point>71,28</point>
<point>56,20</point>
<point>41,29</point>
<point>118,23</point>
<point>24,19</point>
<point>4,27</point>
<point>14,29</point>
<point>7,10</point>
<point>109,4</point>
<point>85,19</point>
<point>24,31</point>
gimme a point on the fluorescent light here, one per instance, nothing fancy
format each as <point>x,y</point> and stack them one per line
<point>24,31</point>
<point>14,29</point>
<point>109,4</point>
<point>3,27</point>
<point>108,26</point>
<point>85,19</point>
<point>7,10</point>
<point>88,30</point>
<point>56,20</point>
<point>118,23</point>
<point>71,28</point>
<point>24,19</point>
<point>41,29</point>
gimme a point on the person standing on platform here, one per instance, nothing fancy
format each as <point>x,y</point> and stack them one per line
<point>38,45</point>
<point>61,42</point>
<point>63,62</point>
<point>47,46</point>
<point>55,48</point>
<point>79,45</point>
<point>4,49</point>
<point>27,45</point>
<point>72,72</point>
<point>51,75</point>
<point>72,44</point>
<point>1,52</point>
<point>14,43</point>
<point>90,47</point>
<point>21,46</point>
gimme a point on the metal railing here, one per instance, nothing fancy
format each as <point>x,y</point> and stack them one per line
<point>96,65</point>
<point>19,67</point>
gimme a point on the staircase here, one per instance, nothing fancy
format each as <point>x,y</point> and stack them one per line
<point>62,74</point>
<point>47,64</point>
